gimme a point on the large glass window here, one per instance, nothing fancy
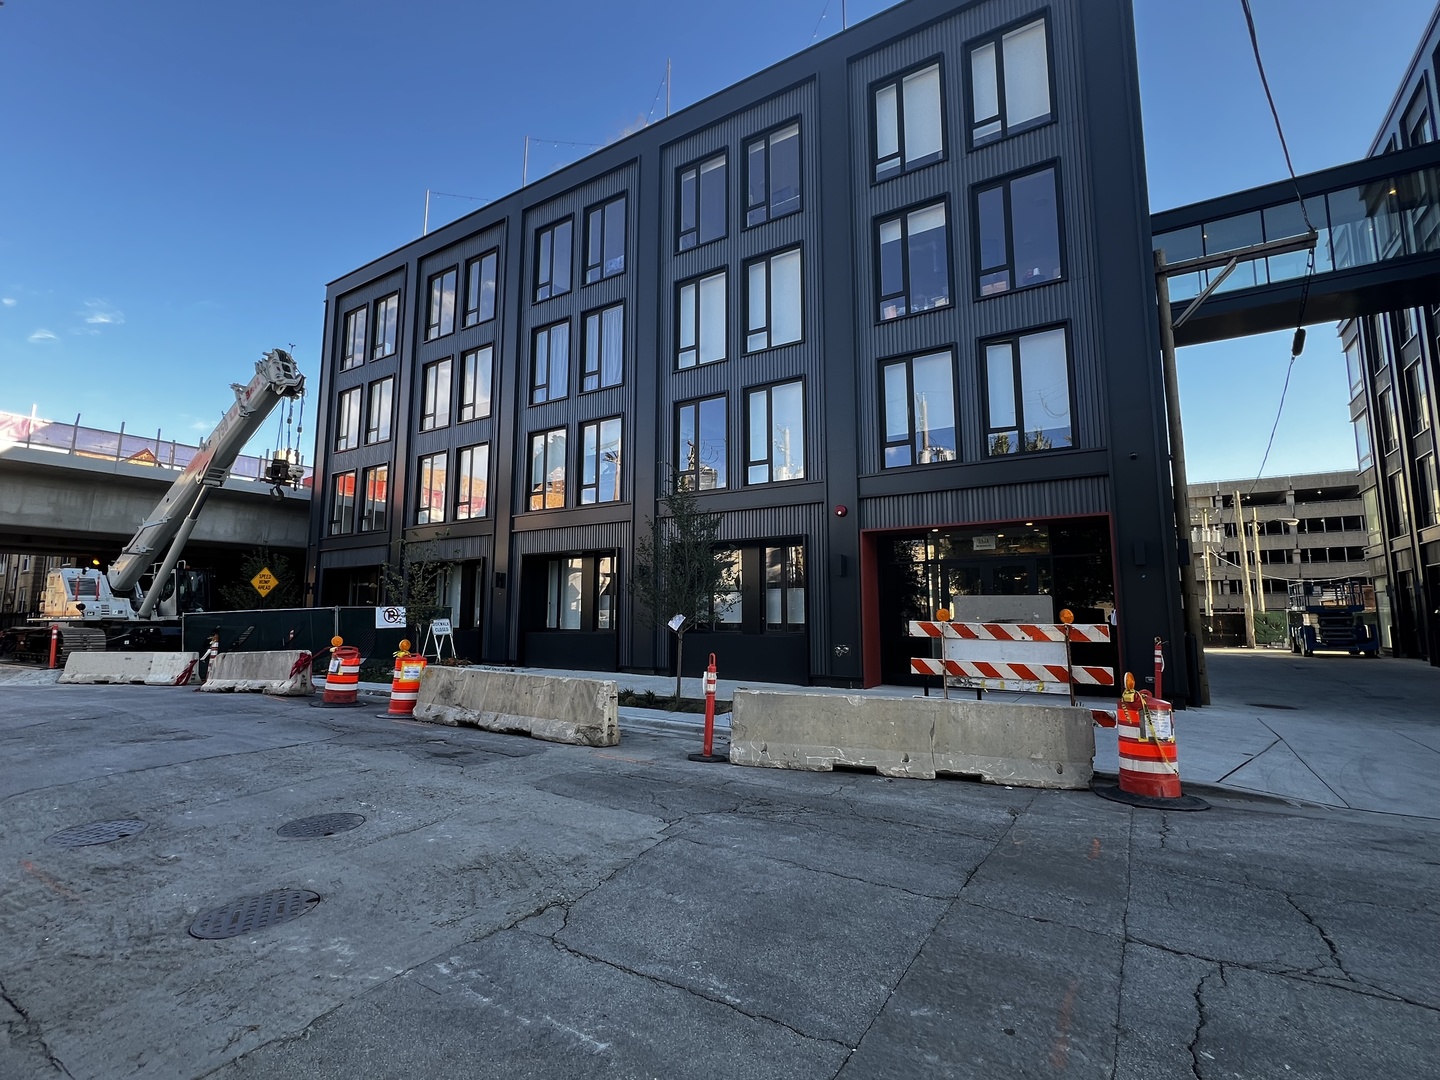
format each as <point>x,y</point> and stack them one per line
<point>785,588</point>
<point>376,486</point>
<point>701,203</point>
<point>547,469</point>
<point>772,175</point>
<point>382,401</point>
<point>605,240</point>
<point>441,319</point>
<point>435,395</point>
<point>1389,424</point>
<point>475,375</point>
<point>550,363</point>
<point>1364,455</point>
<point>604,348</point>
<point>1417,397</point>
<point>387,325</point>
<point>1354,367</point>
<point>342,504</point>
<point>352,346</point>
<point>700,445</point>
<point>430,496</point>
<point>552,259</point>
<point>914,262</point>
<point>1017,229</point>
<point>347,419</point>
<point>480,288</point>
<point>1027,403</point>
<point>580,593</point>
<point>700,322</point>
<point>1009,83</point>
<point>773,309</point>
<point>600,461</point>
<point>776,437</point>
<point>919,410</point>
<point>1427,492</point>
<point>909,125</point>
<point>472,479</point>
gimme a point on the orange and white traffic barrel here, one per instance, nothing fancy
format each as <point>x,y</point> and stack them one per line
<point>1149,765</point>
<point>405,685</point>
<point>342,680</point>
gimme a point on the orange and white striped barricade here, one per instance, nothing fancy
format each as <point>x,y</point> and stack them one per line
<point>405,685</point>
<point>342,680</point>
<point>1149,765</point>
<point>1032,657</point>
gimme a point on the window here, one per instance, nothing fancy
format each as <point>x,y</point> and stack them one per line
<point>430,504</point>
<point>1009,83</point>
<point>550,363</point>
<point>1417,397</point>
<point>387,325</point>
<point>702,200</point>
<point>1364,457</point>
<point>1028,393</point>
<point>772,175</point>
<point>909,130</point>
<point>552,260</point>
<point>376,485</point>
<point>1354,367</point>
<point>701,321</point>
<point>472,478</point>
<point>1389,425</point>
<point>605,240</point>
<point>547,469</point>
<point>1416,123</point>
<point>700,445</point>
<point>776,441</point>
<point>475,375</point>
<point>441,320</point>
<point>1399,510</point>
<point>435,395</point>
<point>729,603</point>
<point>377,423</point>
<point>580,593</point>
<point>604,348</point>
<point>347,419</point>
<point>480,288</point>
<point>342,504</point>
<point>914,262</point>
<point>785,588</point>
<point>1427,492</point>
<point>352,346</point>
<point>600,461</point>
<point>919,410</point>
<point>1017,225</point>
<point>773,308</point>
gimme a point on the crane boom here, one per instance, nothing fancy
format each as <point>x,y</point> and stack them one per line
<point>276,377</point>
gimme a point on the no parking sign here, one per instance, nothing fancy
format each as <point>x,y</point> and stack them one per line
<point>390,618</point>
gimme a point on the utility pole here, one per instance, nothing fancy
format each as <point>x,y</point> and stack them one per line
<point>1245,569</point>
<point>667,86</point>
<point>1209,582</point>
<point>1180,484</point>
<point>1259,577</point>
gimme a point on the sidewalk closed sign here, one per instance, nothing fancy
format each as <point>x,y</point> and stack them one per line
<point>390,618</point>
<point>440,627</point>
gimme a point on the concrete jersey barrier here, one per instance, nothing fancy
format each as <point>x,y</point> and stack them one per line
<point>265,672</point>
<point>149,668</point>
<point>1026,745</point>
<point>584,712</point>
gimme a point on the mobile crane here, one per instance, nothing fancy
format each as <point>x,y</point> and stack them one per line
<point>93,610</point>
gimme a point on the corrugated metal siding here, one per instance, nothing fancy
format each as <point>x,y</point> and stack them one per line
<point>958,506</point>
<point>611,536</point>
<point>1074,301</point>
<point>361,556</point>
<point>740,370</point>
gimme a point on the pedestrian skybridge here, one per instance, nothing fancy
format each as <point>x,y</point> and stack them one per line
<point>1377,248</point>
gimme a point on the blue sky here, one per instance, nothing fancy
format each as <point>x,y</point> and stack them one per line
<point>180,180</point>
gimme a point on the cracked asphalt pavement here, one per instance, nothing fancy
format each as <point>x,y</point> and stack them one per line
<point>516,909</point>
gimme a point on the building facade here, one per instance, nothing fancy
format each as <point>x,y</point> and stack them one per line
<point>1394,361</point>
<point>886,307</point>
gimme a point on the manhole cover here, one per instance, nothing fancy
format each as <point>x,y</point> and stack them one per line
<point>97,832</point>
<point>252,913</point>
<point>1267,705</point>
<point>308,828</point>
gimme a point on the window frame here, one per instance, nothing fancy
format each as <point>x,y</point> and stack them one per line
<point>547,285</point>
<point>767,260</point>
<point>997,38</point>
<point>723,155</point>
<point>532,491</point>
<point>596,261</point>
<point>352,356</point>
<point>902,215</point>
<point>680,469</point>
<point>1004,183</point>
<point>431,417</point>
<point>475,288</point>
<point>537,388</point>
<point>592,567</point>
<point>598,374</point>
<point>723,273</point>
<point>768,389</point>
<point>342,513</point>
<point>462,475</point>
<point>763,140</point>
<point>897,80</point>
<point>383,347</point>
<point>377,520</point>
<point>435,309</point>
<point>423,509</point>
<point>1013,340</point>
<point>907,360</point>
<point>480,402</point>
<point>380,433</point>
<point>587,483</point>
<point>348,435</point>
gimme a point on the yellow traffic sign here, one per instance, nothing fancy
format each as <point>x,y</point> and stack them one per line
<point>264,581</point>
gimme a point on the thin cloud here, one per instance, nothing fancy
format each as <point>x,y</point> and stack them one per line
<point>100,313</point>
<point>40,336</point>
<point>8,301</point>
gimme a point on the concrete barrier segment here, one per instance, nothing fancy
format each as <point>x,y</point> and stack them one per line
<point>1050,746</point>
<point>582,712</point>
<point>262,672</point>
<point>148,668</point>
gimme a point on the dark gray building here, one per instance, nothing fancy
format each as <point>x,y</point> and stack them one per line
<point>887,306</point>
